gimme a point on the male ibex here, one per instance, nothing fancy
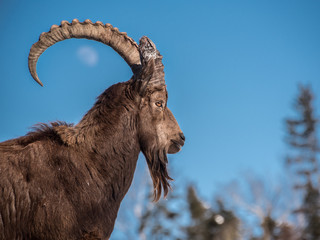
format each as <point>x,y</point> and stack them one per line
<point>67,182</point>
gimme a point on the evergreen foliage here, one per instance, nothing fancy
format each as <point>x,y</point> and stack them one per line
<point>304,162</point>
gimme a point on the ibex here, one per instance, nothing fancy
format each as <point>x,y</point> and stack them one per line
<point>64,181</point>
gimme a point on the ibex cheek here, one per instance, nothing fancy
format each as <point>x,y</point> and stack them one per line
<point>161,133</point>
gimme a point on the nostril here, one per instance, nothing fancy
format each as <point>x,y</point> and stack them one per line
<point>182,136</point>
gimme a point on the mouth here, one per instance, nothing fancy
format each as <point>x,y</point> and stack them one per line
<point>175,146</point>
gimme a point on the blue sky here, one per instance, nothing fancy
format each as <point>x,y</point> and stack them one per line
<point>232,69</point>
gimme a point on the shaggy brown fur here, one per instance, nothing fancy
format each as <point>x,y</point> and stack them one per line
<point>67,182</point>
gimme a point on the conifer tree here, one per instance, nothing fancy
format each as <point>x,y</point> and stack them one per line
<point>162,220</point>
<point>210,224</point>
<point>304,161</point>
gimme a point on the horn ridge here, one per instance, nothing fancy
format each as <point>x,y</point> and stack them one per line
<point>125,46</point>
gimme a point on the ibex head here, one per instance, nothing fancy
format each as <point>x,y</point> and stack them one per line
<point>157,129</point>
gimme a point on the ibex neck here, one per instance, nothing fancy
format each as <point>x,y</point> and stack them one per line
<point>111,121</point>
<point>109,133</point>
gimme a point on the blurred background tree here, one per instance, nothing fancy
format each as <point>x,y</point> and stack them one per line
<point>304,162</point>
<point>188,217</point>
<point>162,220</point>
<point>207,223</point>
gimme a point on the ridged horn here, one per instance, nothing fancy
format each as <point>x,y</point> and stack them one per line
<point>107,34</point>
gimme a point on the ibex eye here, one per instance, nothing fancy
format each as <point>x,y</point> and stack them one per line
<point>159,104</point>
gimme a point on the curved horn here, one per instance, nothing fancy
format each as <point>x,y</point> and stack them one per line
<point>107,34</point>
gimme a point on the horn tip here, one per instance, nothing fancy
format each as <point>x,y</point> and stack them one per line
<point>39,82</point>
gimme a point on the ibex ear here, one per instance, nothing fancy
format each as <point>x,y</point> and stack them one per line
<point>151,74</point>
